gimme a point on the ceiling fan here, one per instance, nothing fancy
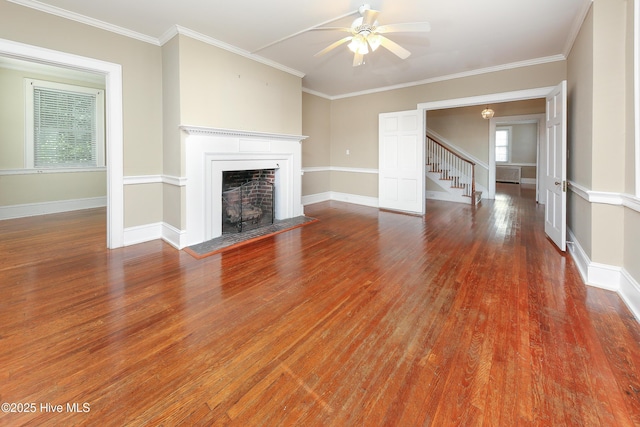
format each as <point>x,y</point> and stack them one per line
<point>367,34</point>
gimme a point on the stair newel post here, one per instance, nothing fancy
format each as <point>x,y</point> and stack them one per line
<point>473,184</point>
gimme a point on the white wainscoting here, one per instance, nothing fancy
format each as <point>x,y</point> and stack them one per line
<point>158,230</point>
<point>610,277</point>
<point>334,195</point>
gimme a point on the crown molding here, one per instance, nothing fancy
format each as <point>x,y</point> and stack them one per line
<point>575,27</point>
<point>53,10</point>
<point>479,71</point>
<point>177,29</point>
<point>166,36</point>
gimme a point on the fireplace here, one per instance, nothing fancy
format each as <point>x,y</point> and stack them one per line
<point>212,152</point>
<point>247,200</point>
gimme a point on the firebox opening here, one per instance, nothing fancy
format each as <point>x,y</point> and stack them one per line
<point>247,200</point>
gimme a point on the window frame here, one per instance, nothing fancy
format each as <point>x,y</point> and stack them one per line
<point>99,115</point>
<point>507,129</point>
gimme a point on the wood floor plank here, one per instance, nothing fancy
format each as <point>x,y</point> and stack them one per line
<point>466,316</point>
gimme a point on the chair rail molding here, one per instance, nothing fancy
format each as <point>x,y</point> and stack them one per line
<point>606,197</point>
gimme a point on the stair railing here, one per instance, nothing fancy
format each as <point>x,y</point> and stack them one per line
<point>452,167</point>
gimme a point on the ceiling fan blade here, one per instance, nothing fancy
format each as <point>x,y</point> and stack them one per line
<point>358,59</point>
<point>333,45</point>
<point>348,30</point>
<point>369,17</point>
<point>394,47</point>
<point>406,27</point>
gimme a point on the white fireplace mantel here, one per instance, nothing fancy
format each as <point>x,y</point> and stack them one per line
<point>220,132</point>
<point>212,151</point>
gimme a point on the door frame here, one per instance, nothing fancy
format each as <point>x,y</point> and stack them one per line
<point>113,126</point>
<point>492,98</point>
<point>539,120</point>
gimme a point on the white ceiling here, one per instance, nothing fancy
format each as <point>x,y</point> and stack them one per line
<point>466,37</point>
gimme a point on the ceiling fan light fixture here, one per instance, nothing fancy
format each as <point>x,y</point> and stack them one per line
<point>359,45</point>
<point>487,113</point>
<point>374,41</point>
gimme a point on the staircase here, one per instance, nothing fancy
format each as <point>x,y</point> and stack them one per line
<point>452,172</point>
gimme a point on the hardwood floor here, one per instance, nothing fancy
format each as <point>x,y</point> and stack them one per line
<point>467,316</point>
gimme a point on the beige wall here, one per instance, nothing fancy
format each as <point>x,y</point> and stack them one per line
<point>316,149</point>
<point>524,147</point>
<point>11,120</point>
<point>608,143</point>
<point>361,184</point>
<point>631,232</point>
<point>225,90</point>
<point>609,80</point>
<point>579,132</point>
<point>51,187</point>
<point>632,243</point>
<point>139,203</point>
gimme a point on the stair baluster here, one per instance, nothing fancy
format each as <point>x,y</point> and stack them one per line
<point>452,167</point>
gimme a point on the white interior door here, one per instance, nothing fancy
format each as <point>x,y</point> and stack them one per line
<point>555,223</point>
<point>401,162</point>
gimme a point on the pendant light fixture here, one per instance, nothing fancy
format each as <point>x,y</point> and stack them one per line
<point>487,113</point>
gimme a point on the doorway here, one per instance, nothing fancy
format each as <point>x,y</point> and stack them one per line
<point>114,126</point>
<point>555,124</point>
<point>528,155</point>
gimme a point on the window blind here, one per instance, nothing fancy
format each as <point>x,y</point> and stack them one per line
<point>64,128</point>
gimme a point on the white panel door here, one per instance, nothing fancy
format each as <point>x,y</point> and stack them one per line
<point>401,162</point>
<point>555,222</point>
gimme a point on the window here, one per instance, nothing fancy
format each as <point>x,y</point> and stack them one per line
<point>65,126</point>
<point>503,145</point>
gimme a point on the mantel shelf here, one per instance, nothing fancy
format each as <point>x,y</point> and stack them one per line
<point>209,131</point>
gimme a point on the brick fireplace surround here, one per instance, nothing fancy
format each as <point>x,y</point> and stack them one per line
<point>211,151</point>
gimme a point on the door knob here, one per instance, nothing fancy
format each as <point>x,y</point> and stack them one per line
<point>556,183</point>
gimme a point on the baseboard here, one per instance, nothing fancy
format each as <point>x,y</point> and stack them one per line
<point>579,256</point>
<point>630,293</point>
<point>44,208</point>
<point>340,197</point>
<point>604,276</point>
<point>155,231</point>
<point>447,197</point>
<point>355,198</point>
<point>142,233</point>
<point>173,236</point>
<point>316,198</point>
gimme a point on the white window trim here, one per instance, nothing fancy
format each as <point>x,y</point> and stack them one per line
<point>509,143</point>
<point>30,84</point>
